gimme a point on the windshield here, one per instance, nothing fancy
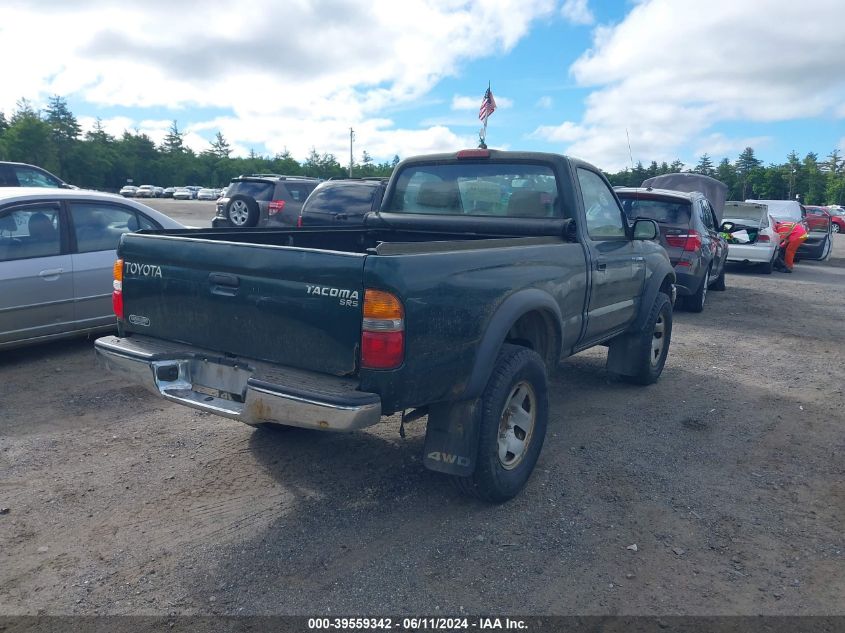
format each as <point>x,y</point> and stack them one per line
<point>498,189</point>
<point>671,212</point>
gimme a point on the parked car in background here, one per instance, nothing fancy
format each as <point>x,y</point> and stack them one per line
<point>752,236</point>
<point>207,194</point>
<point>689,231</point>
<point>57,252</point>
<point>342,202</point>
<point>816,216</point>
<point>263,200</point>
<point>128,191</point>
<point>145,191</point>
<point>168,192</point>
<point>25,175</point>
<point>159,192</point>
<point>183,193</point>
<point>818,245</point>
<point>837,218</point>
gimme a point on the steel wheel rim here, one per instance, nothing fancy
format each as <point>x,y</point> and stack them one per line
<point>238,212</point>
<point>835,228</point>
<point>516,426</point>
<point>658,338</point>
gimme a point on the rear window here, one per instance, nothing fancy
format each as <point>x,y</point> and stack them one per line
<point>497,189</point>
<point>671,212</point>
<point>746,213</point>
<point>254,189</point>
<point>351,199</point>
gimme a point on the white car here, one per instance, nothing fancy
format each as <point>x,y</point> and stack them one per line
<point>128,191</point>
<point>183,193</point>
<point>753,239</point>
<point>146,191</point>
<point>207,194</point>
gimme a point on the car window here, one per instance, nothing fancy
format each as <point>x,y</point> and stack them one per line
<point>29,177</point>
<point>665,212</point>
<point>300,192</point>
<point>34,231</point>
<point>604,217</point>
<point>491,189</point>
<point>254,189</point>
<point>350,199</point>
<point>98,227</point>
<point>7,176</point>
<point>707,216</point>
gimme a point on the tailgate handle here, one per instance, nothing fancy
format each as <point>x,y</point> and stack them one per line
<point>223,284</point>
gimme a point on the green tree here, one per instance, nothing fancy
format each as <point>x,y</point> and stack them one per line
<point>704,166</point>
<point>173,140</point>
<point>29,139</point>
<point>746,165</point>
<point>219,146</point>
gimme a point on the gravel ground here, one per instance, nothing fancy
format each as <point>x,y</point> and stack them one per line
<point>720,490</point>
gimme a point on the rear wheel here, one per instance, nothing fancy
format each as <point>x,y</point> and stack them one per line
<point>695,302</point>
<point>514,414</point>
<point>719,284</point>
<point>242,211</point>
<point>835,228</point>
<point>769,266</point>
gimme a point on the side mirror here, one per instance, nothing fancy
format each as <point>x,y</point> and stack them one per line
<point>570,232</point>
<point>645,229</point>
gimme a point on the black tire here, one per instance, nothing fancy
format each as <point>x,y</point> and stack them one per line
<point>769,266</point>
<point>695,302</point>
<point>496,479</point>
<point>651,355</point>
<point>719,284</point>
<point>242,211</point>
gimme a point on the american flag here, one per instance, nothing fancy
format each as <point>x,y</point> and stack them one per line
<point>488,105</point>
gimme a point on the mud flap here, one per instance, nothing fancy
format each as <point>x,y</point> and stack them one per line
<point>451,438</point>
<point>623,354</point>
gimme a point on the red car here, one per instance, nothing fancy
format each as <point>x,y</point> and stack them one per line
<point>818,218</point>
<point>837,217</point>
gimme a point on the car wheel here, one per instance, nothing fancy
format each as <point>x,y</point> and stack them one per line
<point>652,344</point>
<point>769,266</point>
<point>835,228</point>
<point>514,414</point>
<point>695,302</point>
<point>719,284</point>
<point>242,211</point>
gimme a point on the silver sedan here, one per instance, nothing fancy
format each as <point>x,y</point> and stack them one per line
<point>57,250</point>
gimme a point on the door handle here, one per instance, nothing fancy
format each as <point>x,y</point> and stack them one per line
<point>224,284</point>
<point>51,272</point>
<point>601,266</point>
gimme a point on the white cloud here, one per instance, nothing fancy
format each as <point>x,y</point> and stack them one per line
<point>294,65</point>
<point>577,12</point>
<point>462,102</point>
<point>671,70</point>
<point>718,145</point>
<point>544,102</point>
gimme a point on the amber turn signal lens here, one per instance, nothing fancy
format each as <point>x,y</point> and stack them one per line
<point>117,270</point>
<point>382,305</point>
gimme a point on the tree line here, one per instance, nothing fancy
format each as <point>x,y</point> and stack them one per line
<point>52,138</point>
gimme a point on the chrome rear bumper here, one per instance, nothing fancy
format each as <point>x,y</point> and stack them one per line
<point>242,389</point>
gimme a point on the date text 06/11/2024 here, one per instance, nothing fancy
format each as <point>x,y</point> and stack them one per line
<point>417,624</point>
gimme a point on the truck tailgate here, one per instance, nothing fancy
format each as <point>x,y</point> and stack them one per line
<point>293,306</point>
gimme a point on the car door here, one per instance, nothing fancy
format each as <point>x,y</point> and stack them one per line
<point>818,244</point>
<point>716,243</point>
<point>96,231</point>
<point>36,282</point>
<point>618,266</point>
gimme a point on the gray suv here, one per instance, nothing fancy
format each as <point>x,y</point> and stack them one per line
<point>263,200</point>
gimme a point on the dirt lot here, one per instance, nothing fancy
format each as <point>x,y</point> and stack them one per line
<point>728,476</point>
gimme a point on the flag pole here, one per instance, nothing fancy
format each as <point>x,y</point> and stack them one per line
<point>482,136</point>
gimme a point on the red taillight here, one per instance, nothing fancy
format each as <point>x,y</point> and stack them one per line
<point>117,289</point>
<point>383,331</point>
<point>473,153</point>
<point>689,241</point>
<point>275,206</point>
<point>763,238</point>
<point>299,222</point>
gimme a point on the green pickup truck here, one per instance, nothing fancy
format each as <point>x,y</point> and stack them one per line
<point>455,301</point>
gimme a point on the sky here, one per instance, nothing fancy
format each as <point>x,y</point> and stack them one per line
<point>608,81</point>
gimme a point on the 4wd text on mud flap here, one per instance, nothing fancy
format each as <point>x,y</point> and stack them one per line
<point>448,458</point>
<point>144,270</point>
<point>346,297</point>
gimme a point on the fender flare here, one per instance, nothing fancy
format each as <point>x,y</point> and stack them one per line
<point>650,293</point>
<point>508,313</point>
